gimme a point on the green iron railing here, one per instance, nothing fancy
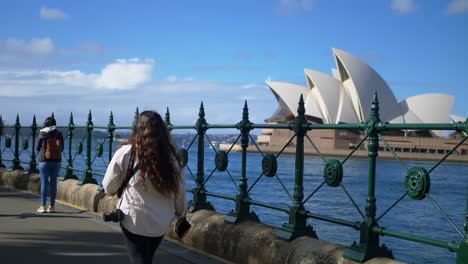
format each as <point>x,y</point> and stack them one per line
<point>417,179</point>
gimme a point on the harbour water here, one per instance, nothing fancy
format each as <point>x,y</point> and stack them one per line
<point>449,185</point>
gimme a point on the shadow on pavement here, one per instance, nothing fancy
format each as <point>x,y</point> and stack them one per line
<point>64,247</point>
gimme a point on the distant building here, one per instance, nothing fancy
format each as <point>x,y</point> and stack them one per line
<point>346,97</point>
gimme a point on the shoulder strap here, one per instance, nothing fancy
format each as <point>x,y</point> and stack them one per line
<point>130,172</point>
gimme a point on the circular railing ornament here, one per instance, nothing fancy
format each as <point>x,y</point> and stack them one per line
<point>333,173</point>
<point>417,183</point>
<point>221,160</point>
<point>182,155</point>
<point>269,165</point>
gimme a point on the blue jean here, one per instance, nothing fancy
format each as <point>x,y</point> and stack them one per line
<point>49,169</point>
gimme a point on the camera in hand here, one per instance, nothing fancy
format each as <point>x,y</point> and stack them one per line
<point>115,216</point>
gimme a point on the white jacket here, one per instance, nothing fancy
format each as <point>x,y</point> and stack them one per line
<point>147,212</point>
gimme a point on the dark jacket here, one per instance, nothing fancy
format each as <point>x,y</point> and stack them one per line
<point>43,136</point>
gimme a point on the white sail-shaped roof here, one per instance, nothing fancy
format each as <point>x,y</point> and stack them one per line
<point>346,113</point>
<point>327,95</point>
<point>312,109</point>
<point>361,82</point>
<point>423,106</point>
<point>290,93</point>
<point>421,109</point>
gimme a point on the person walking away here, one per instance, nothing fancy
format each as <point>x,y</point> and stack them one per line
<point>50,147</point>
<point>156,191</point>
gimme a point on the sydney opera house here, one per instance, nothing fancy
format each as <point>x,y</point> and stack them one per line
<point>346,97</point>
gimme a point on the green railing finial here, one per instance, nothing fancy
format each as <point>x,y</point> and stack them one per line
<point>375,106</point>
<point>16,159</point>
<point>301,108</point>
<point>167,119</point>
<point>242,211</point>
<point>201,113</point>
<point>245,111</point>
<point>33,163</point>
<point>135,118</point>
<point>110,131</point>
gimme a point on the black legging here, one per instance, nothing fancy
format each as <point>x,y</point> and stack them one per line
<point>140,248</point>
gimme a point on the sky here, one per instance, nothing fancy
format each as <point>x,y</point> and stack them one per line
<point>75,56</point>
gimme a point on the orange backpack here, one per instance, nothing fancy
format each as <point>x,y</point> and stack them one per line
<point>53,148</point>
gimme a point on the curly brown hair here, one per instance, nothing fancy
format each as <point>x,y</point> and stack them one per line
<point>155,153</point>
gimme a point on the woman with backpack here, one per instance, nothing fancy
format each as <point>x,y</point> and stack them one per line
<point>148,169</point>
<point>50,147</point>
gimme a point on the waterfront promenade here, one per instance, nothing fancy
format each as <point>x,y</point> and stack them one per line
<point>70,236</point>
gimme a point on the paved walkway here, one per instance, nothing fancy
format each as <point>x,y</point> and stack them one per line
<point>70,236</point>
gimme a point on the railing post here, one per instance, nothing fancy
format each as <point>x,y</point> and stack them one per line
<point>199,193</point>
<point>242,211</point>
<point>1,133</point>
<point>462,251</point>
<point>297,225</point>
<point>69,174</point>
<point>33,163</point>
<point>88,177</point>
<point>369,245</point>
<point>16,160</point>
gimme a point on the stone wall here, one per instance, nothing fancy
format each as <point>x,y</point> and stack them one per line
<point>246,242</point>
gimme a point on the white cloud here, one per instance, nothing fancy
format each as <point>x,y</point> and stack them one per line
<point>121,75</point>
<point>403,6</point>
<point>457,7</point>
<point>292,7</point>
<point>125,74</point>
<point>36,47</point>
<point>52,14</point>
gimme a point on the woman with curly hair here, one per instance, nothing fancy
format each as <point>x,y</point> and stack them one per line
<point>156,191</point>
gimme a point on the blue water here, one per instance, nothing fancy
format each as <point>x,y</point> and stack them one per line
<point>448,190</point>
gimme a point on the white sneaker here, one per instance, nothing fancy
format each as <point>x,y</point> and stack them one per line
<point>41,209</point>
<point>51,209</point>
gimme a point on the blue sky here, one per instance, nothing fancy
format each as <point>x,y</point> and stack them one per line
<point>72,56</point>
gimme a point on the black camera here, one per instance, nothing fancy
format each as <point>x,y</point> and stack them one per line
<point>115,216</point>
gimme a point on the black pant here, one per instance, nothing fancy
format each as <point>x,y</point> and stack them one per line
<point>140,248</point>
